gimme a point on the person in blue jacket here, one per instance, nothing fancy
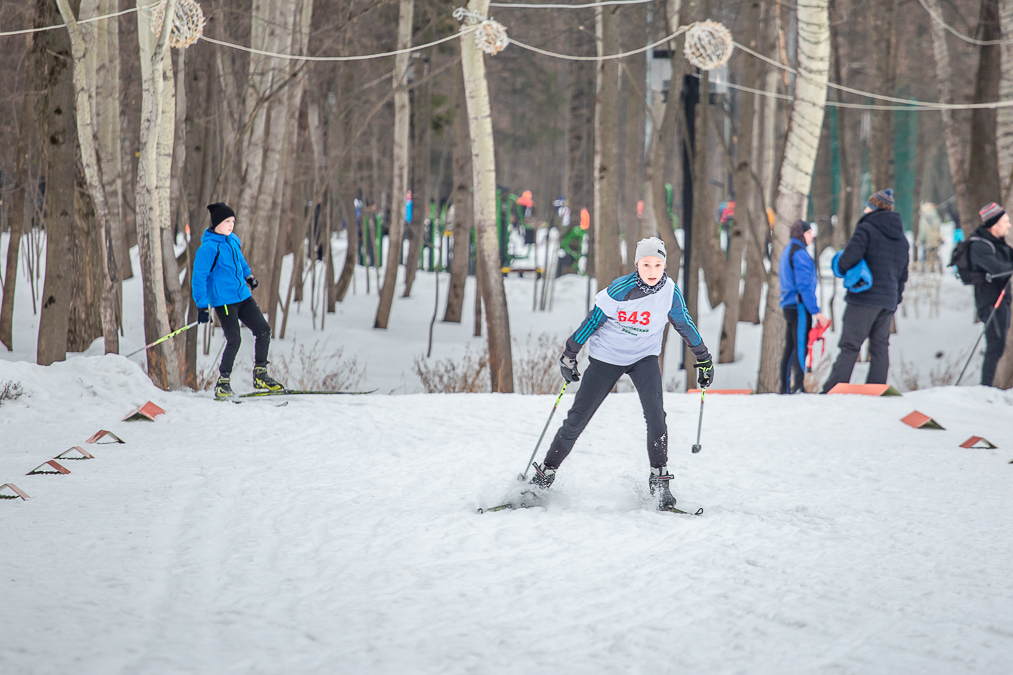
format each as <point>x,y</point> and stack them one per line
<point>222,279</point>
<point>797,272</point>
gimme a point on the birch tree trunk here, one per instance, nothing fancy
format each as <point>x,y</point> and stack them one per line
<point>951,132</point>
<point>345,187</point>
<point>608,263</point>
<point>804,130</point>
<point>744,212</point>
<point>96,185</point>
<point>163,360</point>
<point>420,157</point>
<point>402,118</point>
<point>460,260</point>
<point>636,81</point>
<point>483,162</point>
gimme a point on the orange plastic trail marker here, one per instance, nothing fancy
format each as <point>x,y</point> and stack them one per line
<point>102,433</point>
<point>77,452</point>
<point>50,467</point>
<point>977,442</point>
<point>864,389</point>
<point>148,411</point>
<point>12,491</point>
<point>921,421</point>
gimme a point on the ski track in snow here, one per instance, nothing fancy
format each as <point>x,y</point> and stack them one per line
<point>340,535</point>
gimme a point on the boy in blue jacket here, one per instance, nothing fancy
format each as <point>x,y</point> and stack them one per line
<point>797,273</point>
<point>222,279</point>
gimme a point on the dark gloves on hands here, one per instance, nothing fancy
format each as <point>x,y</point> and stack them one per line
<point>705,372</point>
<point>568,367</point>
<point>203,315</point>
<point>252,282</point>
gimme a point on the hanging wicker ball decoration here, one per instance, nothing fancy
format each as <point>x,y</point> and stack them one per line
<point>187,26</point>
<point>709,45</point>
<point>490,36</point>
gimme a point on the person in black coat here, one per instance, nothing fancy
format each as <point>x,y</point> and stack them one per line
<point>879,240</point>
<point>990,254</point>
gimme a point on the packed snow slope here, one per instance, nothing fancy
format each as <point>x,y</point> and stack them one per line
<point>340,535</point>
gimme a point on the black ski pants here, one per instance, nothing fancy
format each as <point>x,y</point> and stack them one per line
<point>247,311</point>
<point>861,322</point>
<point>595,385</point>
<point>794,344</point>
<point>995,340</point>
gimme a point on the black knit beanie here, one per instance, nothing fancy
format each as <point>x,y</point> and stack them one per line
<point>219,212</point>
<point>799,228</point>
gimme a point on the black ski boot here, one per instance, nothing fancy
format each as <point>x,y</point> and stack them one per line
<point>261,380</point>
<point>543,477</point>
<point>658,483</point>
<point>223,388</point>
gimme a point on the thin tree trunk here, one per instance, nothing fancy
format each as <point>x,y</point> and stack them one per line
<point>1004,116</point>
<point>951,132</point>
<point>34,65</point>
<point>608,263</point>
<point>737,232</point>
<point>459,263</point>
<point>636,81</point>
<point>483,163</point>
<point>983,172</point>
<point>845,200</point>
<point>346,187</point>
<point>884,50</point>
<point>705,225</point>
<point>421,155</point>
<point>804,131</point>
<point>402,117</point>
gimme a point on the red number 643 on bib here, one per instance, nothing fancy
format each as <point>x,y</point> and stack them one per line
<point>642,318</point>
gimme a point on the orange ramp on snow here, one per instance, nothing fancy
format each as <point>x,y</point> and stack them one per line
<point>921,421</point>
<point>864,389</point>
<point>148,411</point>
<point>977,442</point>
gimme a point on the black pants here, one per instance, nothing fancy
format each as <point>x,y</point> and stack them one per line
<point>249,313</point>
<point>794,345</point>
<point>995,340</point>
<point>595,385</point>
<point>862,322</point>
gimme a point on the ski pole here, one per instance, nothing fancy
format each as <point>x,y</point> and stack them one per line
<point>983,330</point>
<point>162,339</point>
<point>699,422</point>
<point>524,476</point>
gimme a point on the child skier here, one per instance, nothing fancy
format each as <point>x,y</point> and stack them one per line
<point>222,279</point>
<point>625,330</point>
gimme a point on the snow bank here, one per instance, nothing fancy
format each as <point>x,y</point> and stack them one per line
<point>340,535</point>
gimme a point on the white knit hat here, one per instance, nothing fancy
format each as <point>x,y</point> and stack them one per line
<point>651,246</point>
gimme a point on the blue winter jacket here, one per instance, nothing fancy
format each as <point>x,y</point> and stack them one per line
<point>798,277</point>
<point>220,271</point>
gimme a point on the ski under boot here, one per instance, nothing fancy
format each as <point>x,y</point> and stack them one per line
<point>660,478</point>
<point>543,477</point>
<point>261,380</point>
<point>223,389</point>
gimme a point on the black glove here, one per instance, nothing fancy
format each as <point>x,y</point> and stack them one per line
<point>705,372</point>
<point>568,367</point>
<point>203,315</point>
<point>252,282</point>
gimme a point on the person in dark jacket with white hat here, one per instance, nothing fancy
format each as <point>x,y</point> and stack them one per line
<point>879,240</point>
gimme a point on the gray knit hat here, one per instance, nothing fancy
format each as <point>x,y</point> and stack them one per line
<point>651,246</point>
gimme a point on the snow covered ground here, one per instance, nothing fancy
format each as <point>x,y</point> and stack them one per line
<point>340,535</point>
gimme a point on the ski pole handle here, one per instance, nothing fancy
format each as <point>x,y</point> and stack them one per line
<point>162,339</point>
<point>523,476</point>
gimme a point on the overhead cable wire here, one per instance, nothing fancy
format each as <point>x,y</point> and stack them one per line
<point>606,57</point>
<point>966,38</point>
<point>91,19</point>
<point>907,102</point>
<point>532,5</point>
<point>360,57</point>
